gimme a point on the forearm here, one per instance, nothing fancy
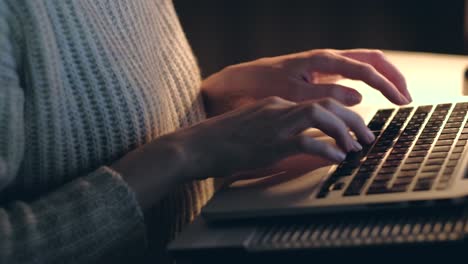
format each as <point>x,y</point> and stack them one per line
<point>153,170</point>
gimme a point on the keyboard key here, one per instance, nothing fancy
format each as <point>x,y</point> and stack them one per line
<point>378,190</point>
<point>410,167</point>
<point>424,141</point>
<point>436,155</point>
<point>454,119</point>
<point>381,177</point>
<point>395,156</point>
<point>400,151</point>
<point>431,168</point>
<point>425,175</point>
<point>417,154</point>
<point>461,143</point>
<point>417,160</point>
<point>388,170</point>
<point>449,170</point>
<point>452,125</point>
<point>399,188</point>
<point>455,156</point>
<point>442,186</point>
<point>355,187</point>
<point>441,149</point>
<point>421,147</point>
<point>406,174</point>
<point>391,163</point>
<point>448,136</point>
<point>457,149</point>
<point>444,142</point>
<point>451,163</point>
<point>423,185</point>
<point>337,186</point>
<point>435,162</point>
<point>402,181</point>
<point>449,131</point>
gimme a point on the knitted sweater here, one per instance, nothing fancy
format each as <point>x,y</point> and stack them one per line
<point>82,82</point>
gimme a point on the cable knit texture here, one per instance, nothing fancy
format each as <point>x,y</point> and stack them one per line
<point>82,82</point>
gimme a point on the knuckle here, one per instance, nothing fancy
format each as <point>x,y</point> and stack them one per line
<point>365,69</point>
<point>302,142</point>
<point>378,53</point>
<point>357,117</point>
<point>273,100</point>
<point>312,110</point>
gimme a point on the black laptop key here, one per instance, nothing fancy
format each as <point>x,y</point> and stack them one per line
<point>417,154</point>
<point>449,131</point>
<point>435,162</point>
<point>424,147</point>
<point>410,167</point>
<point>444,149</point>
<point>448,136</point>
<point>457,150</point>
<point>380,119</point>
<point>355,187</point>
<point>403,181</point>
<point>417,160</point>
<point>423,185</point>
<point>444,142</point>
<point>452,125</point>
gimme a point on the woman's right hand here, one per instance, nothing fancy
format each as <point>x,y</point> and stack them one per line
<point>251,137</point>
<point>260,134</point>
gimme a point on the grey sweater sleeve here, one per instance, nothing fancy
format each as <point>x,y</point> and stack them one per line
<point>90,219</point>
<point>95,215</point>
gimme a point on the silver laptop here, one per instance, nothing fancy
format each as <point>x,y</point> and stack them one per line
<point>419,158</point>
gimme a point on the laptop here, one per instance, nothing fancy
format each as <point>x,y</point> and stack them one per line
<point>419,158</point>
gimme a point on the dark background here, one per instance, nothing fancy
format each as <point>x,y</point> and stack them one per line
<point>228,32</point>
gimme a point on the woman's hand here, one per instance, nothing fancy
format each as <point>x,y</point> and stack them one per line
<point>272,129</point>
<point>250,137</point>
<point>304,76</point>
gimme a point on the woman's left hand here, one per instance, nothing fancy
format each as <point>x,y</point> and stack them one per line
<point>304,76</point>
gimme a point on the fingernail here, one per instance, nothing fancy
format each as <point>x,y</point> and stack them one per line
<point>408,96</point>
<point>356,146</point>
<point>353,98</point>
<point>370,136</point>
<point>339,156</point>
<point>404,100</point>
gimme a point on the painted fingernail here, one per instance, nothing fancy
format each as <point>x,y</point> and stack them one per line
<point>339,156</point>
<point>356,146</point>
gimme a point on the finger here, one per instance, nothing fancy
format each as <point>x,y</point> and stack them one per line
<point>351,119</point>
<point>273,102</point>
<point>311,115</point>
<point>345,95</point>
<point>377,59</point>
<point>329,62</point>
<point>306,144</point>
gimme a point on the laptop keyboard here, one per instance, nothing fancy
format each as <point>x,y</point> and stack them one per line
<point>416,149</point>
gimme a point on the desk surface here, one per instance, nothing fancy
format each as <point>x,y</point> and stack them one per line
<point>431,78</point>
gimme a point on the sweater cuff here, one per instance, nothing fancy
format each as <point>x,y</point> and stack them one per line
<point>124,216</point>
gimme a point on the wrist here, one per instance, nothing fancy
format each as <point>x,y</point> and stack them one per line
<point>152,170</point>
